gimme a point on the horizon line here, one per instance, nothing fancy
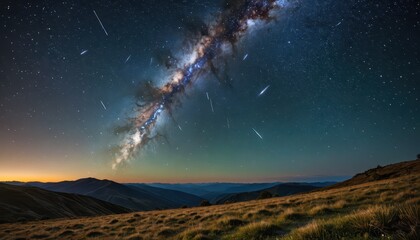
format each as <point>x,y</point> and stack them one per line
<point>309,179</point>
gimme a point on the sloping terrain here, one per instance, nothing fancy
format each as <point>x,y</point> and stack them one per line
<point>284,189</point>
<point>382,209</point>
<point>21,203</point>
<point>136,197</point>
<point>380,173</point>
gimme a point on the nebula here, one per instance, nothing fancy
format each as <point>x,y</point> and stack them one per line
<point>232,24</point>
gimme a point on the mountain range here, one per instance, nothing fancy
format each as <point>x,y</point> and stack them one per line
<point>137,197</point>
<point>90,196</point>
<point>215,192</point>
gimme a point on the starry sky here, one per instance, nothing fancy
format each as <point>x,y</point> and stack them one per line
<point>343,95</point>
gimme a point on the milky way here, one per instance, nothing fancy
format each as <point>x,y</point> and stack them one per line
<point>232,24</point>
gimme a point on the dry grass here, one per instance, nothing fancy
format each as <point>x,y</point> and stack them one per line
<point>256,230</point>
<point>378,221</point>
<point>386,208</point>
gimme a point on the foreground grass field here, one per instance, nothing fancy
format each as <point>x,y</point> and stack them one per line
<point>385,209</point>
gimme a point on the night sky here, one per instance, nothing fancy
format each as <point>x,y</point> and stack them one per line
<point>343,95</point>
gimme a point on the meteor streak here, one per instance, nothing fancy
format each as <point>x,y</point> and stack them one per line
<point>100,22</point>
<point>259,135</point>
<point>83,52</point>
<point>263,91</point>
<point>211,105</point>
<point>230,27</point>
<point>128,58</point>
<point>103,105</point>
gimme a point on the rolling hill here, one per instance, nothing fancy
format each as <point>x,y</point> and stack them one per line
<point>211,191</point>
<point>136,197</point>
<point>284,189</point>
<point>178,197</point>
<point>380,173</point>
<point>21,203</point>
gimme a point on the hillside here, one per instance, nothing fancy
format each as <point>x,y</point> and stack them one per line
<point>382,209</point>
<point>178,197</point>
<point>284,189</point>
<point>135,197</point>
<point>380,173</point>
<point>20,203</point>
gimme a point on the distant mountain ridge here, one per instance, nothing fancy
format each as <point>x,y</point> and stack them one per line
<point>136,197</point>
<point>215,191</point>
<point>283,189</point>
<point>209,189</point>
<point>22,203</point>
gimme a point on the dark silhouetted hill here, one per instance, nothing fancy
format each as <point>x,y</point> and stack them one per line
<point>284,189</point>
<point>22,203</point>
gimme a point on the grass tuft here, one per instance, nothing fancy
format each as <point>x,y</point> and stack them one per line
<point>94,234</point>
<point>229,222</point>
<point>256,231</point>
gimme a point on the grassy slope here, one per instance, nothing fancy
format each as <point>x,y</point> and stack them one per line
<point>390,171</point>
<point>387,207</point>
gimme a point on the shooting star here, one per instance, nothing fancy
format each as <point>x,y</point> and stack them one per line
<point>180,128</point>
<point>128,58</point>
<point>100,22</point>
<point>211,105</point>
<point>151,61</point>
<point>338,24</point>
<point>263,91</point>
<point>227,122</point>
<point>83,52</point>
<point>211,102</point>
<point>259,135</point>
<point>103,105</point>
<point>245,57</point>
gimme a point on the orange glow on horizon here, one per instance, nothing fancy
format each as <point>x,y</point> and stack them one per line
<point>33,178</point>
<point>24,177</point>
<point>39,177</point>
